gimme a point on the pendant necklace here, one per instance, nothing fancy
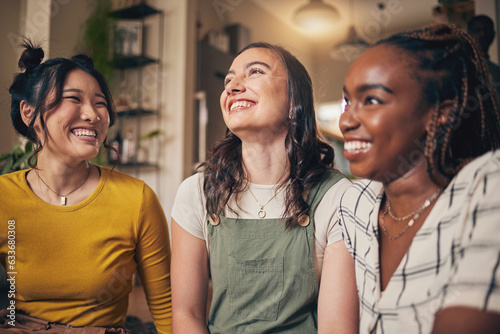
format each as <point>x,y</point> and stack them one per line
<point>262,212</point>
<point>63,197</point>
<point>413,215</point>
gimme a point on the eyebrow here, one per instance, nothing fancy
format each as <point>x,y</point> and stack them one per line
<point>80,91</point>
<point>252,64</point>
<point>366,87</point>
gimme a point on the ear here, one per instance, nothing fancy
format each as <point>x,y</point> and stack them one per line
<point>443,109</point>
<point>27,112</point>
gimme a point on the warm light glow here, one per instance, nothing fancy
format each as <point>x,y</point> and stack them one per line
<point>351,48</point>
<point>316,16</point>
<point>329,117</point>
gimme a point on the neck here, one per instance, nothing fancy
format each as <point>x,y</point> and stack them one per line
<point>410,190</point>
<point>61,177</point>
<point>265,163</point>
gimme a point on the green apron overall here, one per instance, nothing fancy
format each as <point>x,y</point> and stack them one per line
<point>263,275</point>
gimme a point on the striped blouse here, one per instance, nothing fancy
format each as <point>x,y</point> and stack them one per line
<point>454,258</point>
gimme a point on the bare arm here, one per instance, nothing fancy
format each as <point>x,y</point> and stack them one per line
<point>189,282</point>
<point>466,320</point>
<point>338,306</point>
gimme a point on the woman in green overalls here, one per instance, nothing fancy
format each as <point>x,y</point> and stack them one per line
<point>258,221</point>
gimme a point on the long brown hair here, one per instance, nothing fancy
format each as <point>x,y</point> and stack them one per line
<point>309,156</point>
<point>452,67</point>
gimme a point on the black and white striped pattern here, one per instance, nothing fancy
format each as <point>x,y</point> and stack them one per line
<point>454,258</point>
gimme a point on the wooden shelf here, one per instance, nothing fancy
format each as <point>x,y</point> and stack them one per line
<point>135,112</point>
<point>135,12</point>
<point>132,62</point>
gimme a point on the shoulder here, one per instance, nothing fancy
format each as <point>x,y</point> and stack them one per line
<point>476,184</point>
<point>357,204</point>
<point>336,191</point>
<point>188,209</point>
<point>190,193</point>
<point>191,186</point>
<point>362,192</point>
<point>14,177</point>
<point>13,181</point>
<point>129,189</point>
<point>481,174</point>
<point>488,163</point>
<point>115,176</point>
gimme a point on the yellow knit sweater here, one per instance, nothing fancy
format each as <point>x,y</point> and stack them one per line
<point>74,264</point>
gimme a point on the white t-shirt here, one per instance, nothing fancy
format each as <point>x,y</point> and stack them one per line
<point>189,211</point>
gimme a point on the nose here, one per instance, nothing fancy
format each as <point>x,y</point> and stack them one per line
<point>348,120</point>
<point>235,86</point>
<point>89,114</point>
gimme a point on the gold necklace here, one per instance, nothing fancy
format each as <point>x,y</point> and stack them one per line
<point>63,197</point>
<point>414,216</point>
<point>262,212</point>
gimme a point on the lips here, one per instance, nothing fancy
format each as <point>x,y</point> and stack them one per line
<point>356,146</point>
<point>355,149</point>
<point>240,104</point>
<point>81,132</point>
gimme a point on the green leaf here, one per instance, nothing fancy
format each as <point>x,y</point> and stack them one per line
<point>4,156</point>
<point>7,168</point>
<point>28,147</point>
<point>17,150</point>
<point>151,134</point>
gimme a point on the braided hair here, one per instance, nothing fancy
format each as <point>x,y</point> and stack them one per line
<point>38,80</point>
<point>452,67</point>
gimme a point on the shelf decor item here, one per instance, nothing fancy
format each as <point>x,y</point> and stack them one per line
<point>127,39</point>
<point>137,57</point>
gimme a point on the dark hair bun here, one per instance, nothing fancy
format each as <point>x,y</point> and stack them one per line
<point>83,60</point>
<point>32,55</point>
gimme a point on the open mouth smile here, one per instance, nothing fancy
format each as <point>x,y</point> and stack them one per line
<point>85,133</point>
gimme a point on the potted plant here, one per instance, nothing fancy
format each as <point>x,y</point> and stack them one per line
<point>18,158</point>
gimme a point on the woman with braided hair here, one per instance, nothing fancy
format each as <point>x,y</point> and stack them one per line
<point>421,125</point>
<point>72,234</point>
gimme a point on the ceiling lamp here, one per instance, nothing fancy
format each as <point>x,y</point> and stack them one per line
<point>316,15</point>
<point>351,48</point>
<point>354,45</point>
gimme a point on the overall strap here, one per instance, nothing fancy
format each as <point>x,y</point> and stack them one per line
<point>331,177</point>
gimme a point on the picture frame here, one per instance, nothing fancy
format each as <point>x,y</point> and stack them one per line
<point>127,39</point>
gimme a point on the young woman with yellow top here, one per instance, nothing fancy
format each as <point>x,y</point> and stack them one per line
<point>72,234</point>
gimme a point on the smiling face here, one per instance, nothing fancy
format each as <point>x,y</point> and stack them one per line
<point>385,118</point>
<point>255,96</point>
<point>78,125</point>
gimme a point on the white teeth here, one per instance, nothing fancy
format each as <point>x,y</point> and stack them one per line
<point>85,133</point>
<point>240,104</point>
<point>356,145</point>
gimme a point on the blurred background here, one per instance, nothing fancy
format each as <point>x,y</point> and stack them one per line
<point>166,60</point>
